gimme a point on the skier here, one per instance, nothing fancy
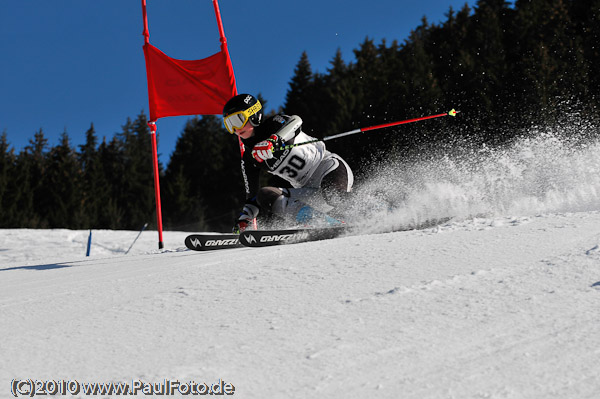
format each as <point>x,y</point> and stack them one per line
<point>319,178</point>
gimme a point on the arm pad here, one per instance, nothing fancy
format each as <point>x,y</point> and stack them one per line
<point>291,128</point>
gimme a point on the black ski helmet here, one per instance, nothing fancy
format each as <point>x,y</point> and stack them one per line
<point>242,102</point>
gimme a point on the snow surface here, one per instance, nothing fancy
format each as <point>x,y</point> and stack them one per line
<point>503,301</point>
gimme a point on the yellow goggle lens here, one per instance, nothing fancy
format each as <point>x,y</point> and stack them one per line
<point>238,120</point>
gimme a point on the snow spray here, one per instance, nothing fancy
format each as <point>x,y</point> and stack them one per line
<point>543,170</point>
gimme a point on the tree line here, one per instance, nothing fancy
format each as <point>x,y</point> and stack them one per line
<point>110,185</point>
<point>503,66</point>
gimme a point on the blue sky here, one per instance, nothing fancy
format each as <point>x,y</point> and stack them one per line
<point>69,63</point>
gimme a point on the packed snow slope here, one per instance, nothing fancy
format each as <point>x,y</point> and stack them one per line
<point>500,302</point>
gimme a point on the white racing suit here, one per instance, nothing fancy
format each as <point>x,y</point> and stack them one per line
<point>317,177</point>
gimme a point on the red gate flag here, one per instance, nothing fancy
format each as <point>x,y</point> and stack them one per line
<point>181,87</point>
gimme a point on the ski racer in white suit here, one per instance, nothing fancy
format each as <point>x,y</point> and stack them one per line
<point>320,179</point>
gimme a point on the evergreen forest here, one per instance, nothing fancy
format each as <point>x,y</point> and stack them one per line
<point>505,66</point>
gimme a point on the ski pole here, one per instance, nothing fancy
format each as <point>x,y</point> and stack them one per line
<point>452,112</point>
<point>89,244</point>
<point>136,238</point>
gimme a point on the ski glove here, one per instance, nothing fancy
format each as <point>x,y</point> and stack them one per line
<point>264,149</point>
<point>246,217</point>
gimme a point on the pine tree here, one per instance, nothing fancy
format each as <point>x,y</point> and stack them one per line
<point>110,214</point>
<point>366,75</point>
<point>485,68</point>
<point>135,194</point>
<point>62,203</point>
<point>452,60</point>
<point>550,63</point>
<point>487,43</point>
<point>7,172</point>
<point>421,83</point>
<point>338,102</point>
<point>585,16</point>
<point>91,179</point>
<point>393,96</point>
<point>299,99</point>
<point>29,190</point>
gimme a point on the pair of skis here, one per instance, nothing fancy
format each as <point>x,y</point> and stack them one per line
<point>261,238</point>
<point>266,238</point>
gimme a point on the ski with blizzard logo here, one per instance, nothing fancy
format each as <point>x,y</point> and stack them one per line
<point>266,238</point>
<point>209,242</point>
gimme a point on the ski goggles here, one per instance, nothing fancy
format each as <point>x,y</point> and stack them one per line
<point>238,120</point>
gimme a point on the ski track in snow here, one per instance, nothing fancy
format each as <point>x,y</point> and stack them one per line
<point>494,306</point>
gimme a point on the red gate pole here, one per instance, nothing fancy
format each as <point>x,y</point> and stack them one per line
<point>221,30</point>
<point>152,125</point>
<point>156,183</point>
